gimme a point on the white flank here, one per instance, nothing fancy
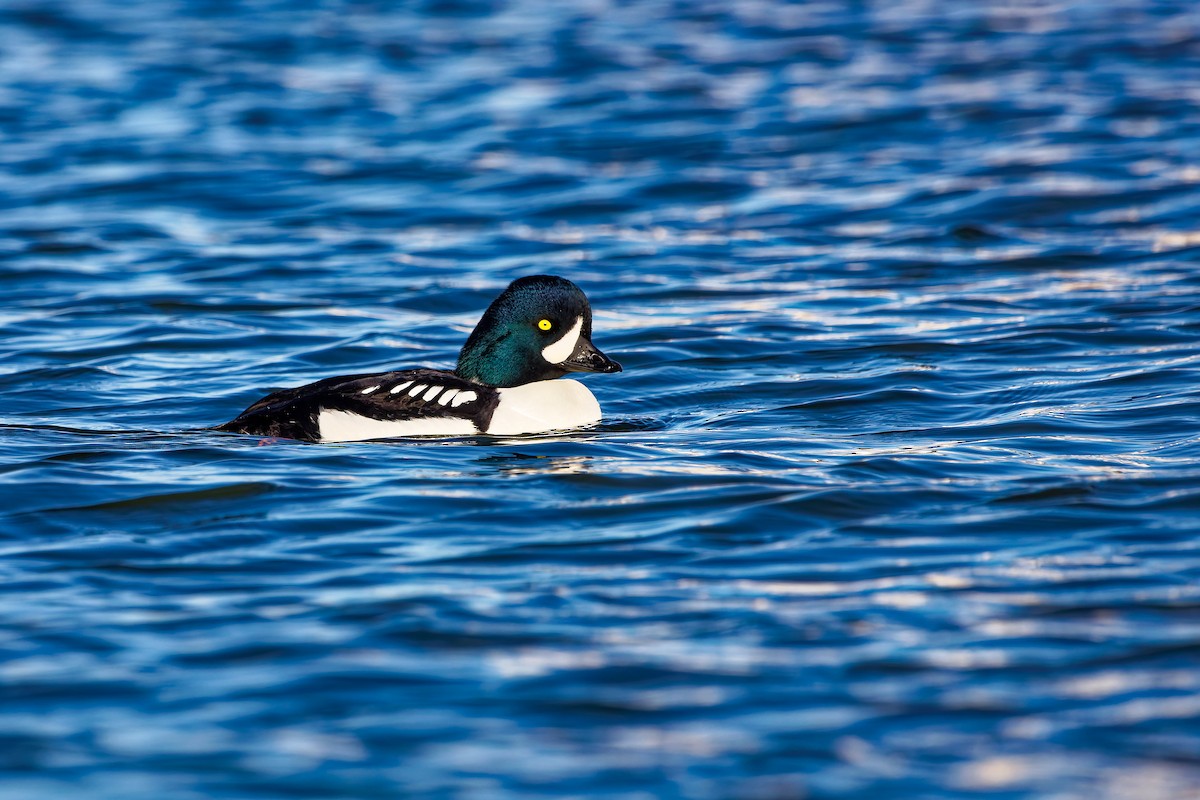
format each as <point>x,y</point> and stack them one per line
<point>544,406</point>
<point>448,396</point>
<point>416,390</point>
<point>463,397</point>
<point>370,389</point>
<point>561,350</point>
<point>343,426</point>
<point>432,393</point>
<point>401,387</point>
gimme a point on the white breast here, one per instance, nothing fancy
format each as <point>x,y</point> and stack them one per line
<point>544,406</point>
<point>343,426</point>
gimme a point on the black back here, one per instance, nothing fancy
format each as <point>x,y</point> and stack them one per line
<point>293,413</point>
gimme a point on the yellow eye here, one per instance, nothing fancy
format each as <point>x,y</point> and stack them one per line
<point>545,324</point>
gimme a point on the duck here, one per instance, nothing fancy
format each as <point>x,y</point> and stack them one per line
<point>504,384</point>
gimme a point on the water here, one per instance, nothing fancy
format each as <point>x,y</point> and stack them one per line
<point>896,498</point>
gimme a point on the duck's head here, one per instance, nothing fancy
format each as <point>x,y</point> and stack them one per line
<point>539,328</point>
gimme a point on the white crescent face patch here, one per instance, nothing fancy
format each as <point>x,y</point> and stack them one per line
<point>561,350</point>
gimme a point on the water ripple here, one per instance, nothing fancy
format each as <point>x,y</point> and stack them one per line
<point>895,498</point>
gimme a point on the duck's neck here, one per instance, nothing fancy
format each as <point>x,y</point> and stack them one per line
<point>496,359</point>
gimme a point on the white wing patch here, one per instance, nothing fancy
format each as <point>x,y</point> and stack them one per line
<point>561,350</point>
<point>401,387</point>
<point>345,426</point>
<point>416,390</point>
<point>370,389</point>
<point>448,396</point>
<point>463,397</point>
<point>432,393</point>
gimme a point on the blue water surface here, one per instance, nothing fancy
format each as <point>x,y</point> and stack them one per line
<point>897,496</point>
